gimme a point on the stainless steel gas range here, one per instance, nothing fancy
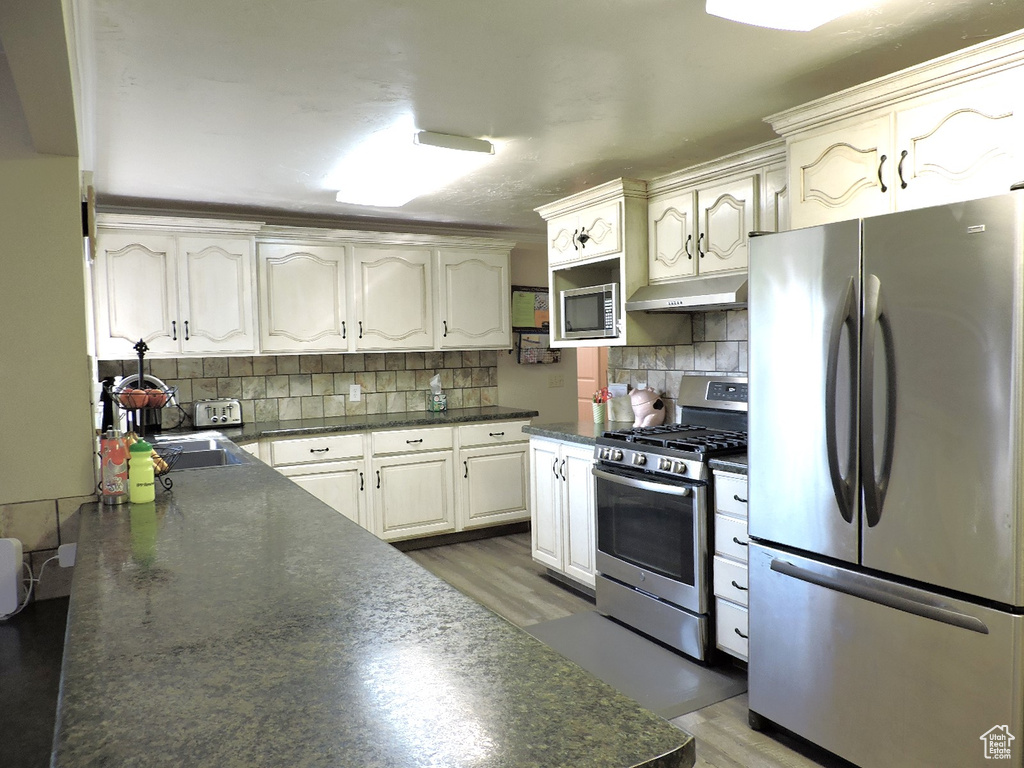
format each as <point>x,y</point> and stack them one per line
<point>655,511</point>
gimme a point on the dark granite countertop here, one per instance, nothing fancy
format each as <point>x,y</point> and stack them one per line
<point>583,432</point>
<point>239,622</point>
<point>735,463</point>
<point>296,427</point>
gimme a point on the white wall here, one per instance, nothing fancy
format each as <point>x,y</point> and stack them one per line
<point>529,386</point>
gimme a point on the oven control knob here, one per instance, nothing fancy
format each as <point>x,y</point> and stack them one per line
<point>665,465</point>
<point>639,459</point>
<point>616,455</point>
<point>679,468</point>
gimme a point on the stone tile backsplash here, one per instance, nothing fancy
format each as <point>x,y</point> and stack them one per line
<point>284,387</point>
<point>718,346</point>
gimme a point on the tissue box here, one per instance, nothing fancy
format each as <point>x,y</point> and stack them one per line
<point>438,402</point>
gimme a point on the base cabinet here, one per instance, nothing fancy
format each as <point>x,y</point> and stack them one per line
<point>730,563</point>
<point>340,485</point>
<point>563,509</point>
<point>493,482</point>
<point>413,495</point>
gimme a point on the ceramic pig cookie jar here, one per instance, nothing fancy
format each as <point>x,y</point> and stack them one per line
<point>648,408</point>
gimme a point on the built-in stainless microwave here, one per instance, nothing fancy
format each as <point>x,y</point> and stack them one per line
<point>591,312</point>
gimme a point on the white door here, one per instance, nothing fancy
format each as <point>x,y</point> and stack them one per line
<point>341,485</point>
<point>546,503</point>
<point>726,213</point>
<point>413,495</point>
<point>670,238</point>
<point>580,548</point>
<point>493,485</point>
<point>302,298</point>
<point>846,173</point>
<point>960,146</point>
<point>393,298</point>
<point>473,300</point>
<point>215,295</point>
<point>135,294</point>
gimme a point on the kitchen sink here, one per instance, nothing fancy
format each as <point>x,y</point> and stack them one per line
<point>200,450</point>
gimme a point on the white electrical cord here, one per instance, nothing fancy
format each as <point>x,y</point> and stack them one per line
<point>32,581</point>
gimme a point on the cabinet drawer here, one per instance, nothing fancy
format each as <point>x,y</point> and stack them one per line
<point>308,450</point>
<point>731,628</point>
<point>731,537</point>
<point>730,580</point>
<point>731,494</point>
<point>492,433</point>
<point>409,440</point>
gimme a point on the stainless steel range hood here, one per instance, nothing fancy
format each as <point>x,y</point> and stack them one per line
<point>691,294</point>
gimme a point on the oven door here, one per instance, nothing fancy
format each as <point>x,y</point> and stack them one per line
<point>652,535</point>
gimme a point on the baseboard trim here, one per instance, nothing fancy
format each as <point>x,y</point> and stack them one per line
<point>456,538</point>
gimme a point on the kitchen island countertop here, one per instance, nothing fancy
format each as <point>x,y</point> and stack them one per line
<point>241,622</point>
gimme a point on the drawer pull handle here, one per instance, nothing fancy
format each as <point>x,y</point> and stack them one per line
<point>741,588</point>
<point>737,631</point>
<point>411,442</point>
<point>319,450</point>
<point>496,434</point>
<point>736,496</point>
<point>741,543</point>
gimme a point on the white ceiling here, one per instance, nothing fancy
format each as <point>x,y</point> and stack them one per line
<point>246,105</point>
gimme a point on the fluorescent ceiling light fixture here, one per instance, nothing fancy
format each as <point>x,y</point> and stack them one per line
<point>792,15</point>
<point>399,164</point>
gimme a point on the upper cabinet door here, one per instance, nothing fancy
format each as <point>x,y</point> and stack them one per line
<point>393,298</point>
<point>135,294</point>
<point>775,200</point>
<point>960,146</point>
<point>302,298</point>
<point>473,300</point>
<point>845,173</point>
<point>215,295</point>
<point>670,237</point>
<point>726,214</point>
<point>585,234</point>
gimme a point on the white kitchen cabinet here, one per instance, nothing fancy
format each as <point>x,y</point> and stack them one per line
<point>183,293</point>
<point>393,298</point>
<point>775,199</point>
<point>331,467</point>
<point>563,508</point>
<point>730,563</point>
<point>413,487</point>
<point>494,480</point>
<point>944,131</point>
<point>590,232</point>
<point>473,300</point>
<point>303,298</point>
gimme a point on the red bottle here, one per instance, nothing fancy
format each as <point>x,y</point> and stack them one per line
<point>114,468</point>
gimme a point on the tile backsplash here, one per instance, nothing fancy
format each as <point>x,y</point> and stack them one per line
<point>284,387</point>
<point>718,346</point>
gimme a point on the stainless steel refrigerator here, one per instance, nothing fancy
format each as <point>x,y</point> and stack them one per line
<point>886,485</point>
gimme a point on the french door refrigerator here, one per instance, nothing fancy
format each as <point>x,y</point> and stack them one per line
<point>886,485</point>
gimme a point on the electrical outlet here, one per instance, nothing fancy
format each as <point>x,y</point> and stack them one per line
<point>10,575</point>
<point>355,393</point>
<point>556,380</point>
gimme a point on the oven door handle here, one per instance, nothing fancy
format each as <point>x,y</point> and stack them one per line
<point>646,485</point>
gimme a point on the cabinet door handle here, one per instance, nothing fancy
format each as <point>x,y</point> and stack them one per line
<point>378,478</point>
<point>360,329</point>
<point>742,589</point>
<point>899,169</point>
<point>413,442</point>
<point>445,324</point>
<point>737,631</point>
<point>343,329</point>
<point>575,234</point>
<point>686,246</point>
<point>741,543</point>
<point>583,237</point>
<point>319,450</point>
<point>495,434</point>
<point>186,330</point>
<point>361,486</point>
<point>174,330</point>
<point>700,253</point>
<point>880,182</point>
<point>561,469</point>
<point>554,468</point>
<point>737,498</point>
<point>465,471</point>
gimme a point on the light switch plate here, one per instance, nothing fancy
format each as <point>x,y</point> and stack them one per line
<point>355,393</point>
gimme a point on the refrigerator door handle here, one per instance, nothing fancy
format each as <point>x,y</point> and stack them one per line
<point>876,321</point>
<point>893,596</point>
<point>842,485</point>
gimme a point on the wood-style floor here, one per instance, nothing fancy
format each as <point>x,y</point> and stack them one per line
<point>501,574</point>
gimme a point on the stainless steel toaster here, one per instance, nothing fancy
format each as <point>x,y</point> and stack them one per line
<point>217,412</point>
